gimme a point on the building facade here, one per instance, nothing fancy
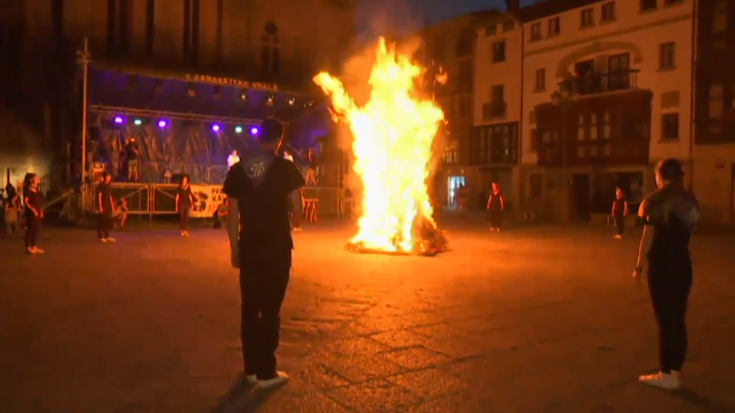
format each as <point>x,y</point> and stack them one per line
<point>449,47</point>
<point>607,95</point>
<point>714,150</point>
<point>187,45</point>
<point>495,139</point>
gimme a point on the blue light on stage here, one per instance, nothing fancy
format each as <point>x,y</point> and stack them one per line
<point>238,129</point>
<point>254,130</point>
<point>215,128</point>
<point>138,122</point>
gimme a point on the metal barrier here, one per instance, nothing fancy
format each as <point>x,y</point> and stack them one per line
<point>160,199</point>
<point>163,198</point>
<point>330,200</point>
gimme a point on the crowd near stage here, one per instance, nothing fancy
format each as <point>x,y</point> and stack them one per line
<point>149,130</point>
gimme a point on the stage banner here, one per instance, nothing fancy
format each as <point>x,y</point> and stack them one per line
<point>208,199</point>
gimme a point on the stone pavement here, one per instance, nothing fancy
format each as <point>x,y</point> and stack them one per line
<point>540,319</point>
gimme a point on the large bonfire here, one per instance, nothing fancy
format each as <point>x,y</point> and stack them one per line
<point>393,139</point>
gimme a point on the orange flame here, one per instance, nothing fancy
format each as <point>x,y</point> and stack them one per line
<point>393,136</point>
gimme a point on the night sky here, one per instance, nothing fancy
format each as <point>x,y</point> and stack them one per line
<point>406,15</point>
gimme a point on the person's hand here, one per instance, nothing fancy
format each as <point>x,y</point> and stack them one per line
<point>235,258</point>
<point>35,213</point>
<point>637,274</point>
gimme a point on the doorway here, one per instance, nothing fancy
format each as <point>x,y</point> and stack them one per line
<point>580,198</point>
<point>455,184</point>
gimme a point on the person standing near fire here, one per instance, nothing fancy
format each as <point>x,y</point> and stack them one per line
<point>296,199</point>
<point>619,212</point>
<point>132,153</point>
<point>496,206</point>
<point>34,204</point>
<point>312,168</point>
<point>11,208</point>
<point>669,216</point>
<point>106,208</point>
<point>261,246</point>
<point>184,200</point>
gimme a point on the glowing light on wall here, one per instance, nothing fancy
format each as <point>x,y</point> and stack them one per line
<point>138,122</point>
<point>119,120</point>
<point>254,130</point>
<point>215,128</point>
<point>238,129</point>
<point>162,123</point>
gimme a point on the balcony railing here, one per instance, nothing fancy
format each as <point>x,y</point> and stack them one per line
<point>595,83</point>
<point>494,110</point>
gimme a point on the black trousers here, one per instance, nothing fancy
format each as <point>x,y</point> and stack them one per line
<point>33,229</point>
<point>263,285</point>
<point>669,284</point>
<point>184,217</point>
<point>620,224</point>
<point>496,217</point>
<point>104,224</point>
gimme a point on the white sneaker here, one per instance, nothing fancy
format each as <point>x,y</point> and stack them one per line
<point>37,250</point>
<point>110,239</point>
<point>280,378</point>
<point>30,251</point>
<point>103,240</point>
<point>492,229</point>
<point>251,378</point>
<point>618,237</point>
<point>666,381</point>
<point>297,229</point>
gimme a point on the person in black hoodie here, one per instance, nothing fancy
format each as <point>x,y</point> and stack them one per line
<point>184,200</point>
<point>258,189</point>
<point>668,216</point>
<point>34,204</point>
<point>106,207</point>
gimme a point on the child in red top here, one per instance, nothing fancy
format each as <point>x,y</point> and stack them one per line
<point>496,205</point>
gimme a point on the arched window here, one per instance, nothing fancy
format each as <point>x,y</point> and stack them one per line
<point>270,53</point>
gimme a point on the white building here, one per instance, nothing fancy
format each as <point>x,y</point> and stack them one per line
<point>498,85</point>
<point>622,71</point>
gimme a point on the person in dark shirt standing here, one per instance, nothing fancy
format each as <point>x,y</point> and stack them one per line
<point>131,153</point>
<point>311,173</point>
<point>184,200</point>
<point>34,204</point>
<point>619,212</point>
<point>258,189</point>
<point>106,208</point>
<point>496,206</point>
<point>668,216</point>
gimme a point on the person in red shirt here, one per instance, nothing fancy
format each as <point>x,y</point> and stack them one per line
<point>496,206</point>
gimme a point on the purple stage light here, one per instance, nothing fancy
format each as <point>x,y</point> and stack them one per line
<point>119,120</point>
<point>215,128</point>
<point>162,123</point>
<point>254,130</point>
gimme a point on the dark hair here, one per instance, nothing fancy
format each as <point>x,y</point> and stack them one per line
<point>27,180</point>
<point>271,130</point>
<point>670,169</point>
